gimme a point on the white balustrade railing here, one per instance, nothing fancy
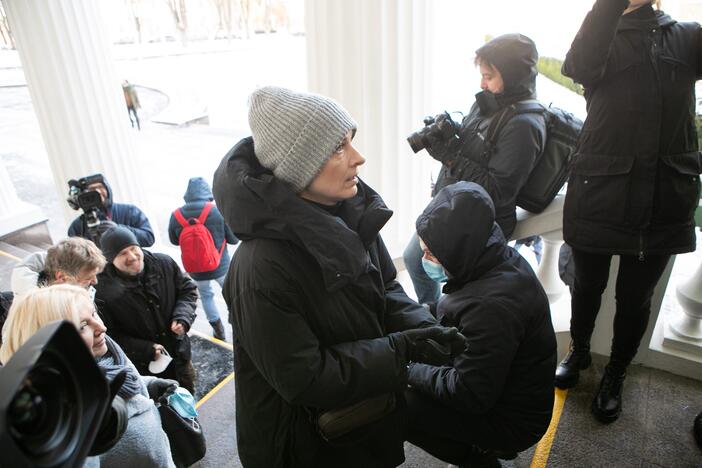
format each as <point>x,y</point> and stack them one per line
<point>549,225</point>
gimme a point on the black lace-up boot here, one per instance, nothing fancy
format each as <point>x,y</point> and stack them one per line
<point>607,404</point>
<point>577,359</point>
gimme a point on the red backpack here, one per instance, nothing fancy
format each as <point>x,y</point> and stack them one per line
<point>197,248</point>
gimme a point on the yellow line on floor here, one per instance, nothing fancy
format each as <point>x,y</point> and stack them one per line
<point>214,340</point>
<point>543,449</point>
<point>5,254</point>
<point>217,388</point>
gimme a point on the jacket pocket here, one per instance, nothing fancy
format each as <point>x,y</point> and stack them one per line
<point>600,185</point>
<point>676,70</point>
<point>678,187</point>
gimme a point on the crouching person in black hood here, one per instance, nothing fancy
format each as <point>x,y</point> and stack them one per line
<point>321,326</point>
<point>497,397</point>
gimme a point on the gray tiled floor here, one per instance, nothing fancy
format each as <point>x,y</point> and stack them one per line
<point>653,431</point>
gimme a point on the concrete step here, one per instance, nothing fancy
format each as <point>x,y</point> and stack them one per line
<point>13,252</point>
<point>30,247</point>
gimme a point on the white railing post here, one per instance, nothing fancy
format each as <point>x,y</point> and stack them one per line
<point>687,320</point>
<point>547,224</point>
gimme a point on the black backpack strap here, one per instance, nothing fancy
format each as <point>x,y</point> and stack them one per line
<point>504,116</point>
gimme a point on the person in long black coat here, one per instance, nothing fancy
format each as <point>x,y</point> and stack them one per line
<point>319,321</point>
<point>635,180</point>
<point>497,396</point>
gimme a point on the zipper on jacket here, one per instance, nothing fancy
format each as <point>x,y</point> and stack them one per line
<point>641,246</point>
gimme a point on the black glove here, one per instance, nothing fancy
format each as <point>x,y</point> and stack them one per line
<point>434,345</point>
<point>444,143</point>
<point>161,387</point>
<point>104,226</point>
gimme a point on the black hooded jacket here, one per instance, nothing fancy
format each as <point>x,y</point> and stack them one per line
<point>311,296</point>
<point>635,180</point>
<point>493,297</point>
<point>520,142</point>
<point>123,214</point>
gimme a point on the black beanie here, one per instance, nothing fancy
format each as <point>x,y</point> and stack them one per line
<point>114,240</point>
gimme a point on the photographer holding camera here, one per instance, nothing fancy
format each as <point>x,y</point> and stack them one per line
<point>101,214</point>
<point>508,76</point>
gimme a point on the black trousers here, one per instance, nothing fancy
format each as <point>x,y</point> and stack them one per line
<point>636,280</point>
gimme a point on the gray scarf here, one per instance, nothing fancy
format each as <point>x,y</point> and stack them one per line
<point>113,362</point>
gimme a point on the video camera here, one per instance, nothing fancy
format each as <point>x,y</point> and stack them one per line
<point>80,198</point>
<point>55,403</point>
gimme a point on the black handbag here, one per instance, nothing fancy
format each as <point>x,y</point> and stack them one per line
<point>185,435</point>
<point>334,424</point>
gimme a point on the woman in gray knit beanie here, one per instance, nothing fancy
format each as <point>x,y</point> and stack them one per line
<point>319,321</point>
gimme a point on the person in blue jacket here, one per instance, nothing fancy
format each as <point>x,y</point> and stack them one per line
<point>114,214</point>
<point>197,195</point>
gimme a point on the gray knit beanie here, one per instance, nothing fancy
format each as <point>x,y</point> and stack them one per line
<point>295,133</point>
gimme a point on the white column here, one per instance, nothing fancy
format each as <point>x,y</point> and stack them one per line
<point>14,213</point>
<point>371,56</point>
<point>76,93</point>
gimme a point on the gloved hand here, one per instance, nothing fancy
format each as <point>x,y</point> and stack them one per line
<point>159,387</point>
<point>434,345</point>
<point>104,226</point>
<point>444,143</point>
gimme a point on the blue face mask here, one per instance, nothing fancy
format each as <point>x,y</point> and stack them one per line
<point>183,402</point>
<point>434,271</point>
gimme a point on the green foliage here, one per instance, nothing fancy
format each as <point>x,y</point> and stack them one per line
<point>551,69</point>
<point>698,122</point>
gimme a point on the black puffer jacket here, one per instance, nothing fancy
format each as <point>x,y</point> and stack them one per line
<point>504,381</point>
<point>311,296</point>
<point>520,142</point>
<point>634,185</point>
<point>138,310</point>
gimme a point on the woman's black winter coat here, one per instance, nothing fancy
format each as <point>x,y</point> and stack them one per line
<point>635,181</point>
<point>311,296</point>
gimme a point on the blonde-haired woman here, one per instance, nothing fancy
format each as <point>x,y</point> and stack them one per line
<point>144,443</point>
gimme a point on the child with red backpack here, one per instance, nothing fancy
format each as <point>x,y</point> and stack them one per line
<point>200,230</point>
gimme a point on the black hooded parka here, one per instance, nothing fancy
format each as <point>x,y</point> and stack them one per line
<point>635,180</point>
<point>519,144</point>
<point>501,387</point>
<point>311,295</point>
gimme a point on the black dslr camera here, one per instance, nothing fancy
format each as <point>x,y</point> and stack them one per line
<point>439,130</point>
<point>55,403</point>
<point>80,198</point>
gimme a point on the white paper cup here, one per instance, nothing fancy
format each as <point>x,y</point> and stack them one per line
<point>159,365</point>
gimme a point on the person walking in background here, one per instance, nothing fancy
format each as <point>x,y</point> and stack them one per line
<point>200,230</point>
<point>634,184</point>
<point>132,100</point>
<point>320,322</point>
<point>508,76</point>
<point>148,305</point>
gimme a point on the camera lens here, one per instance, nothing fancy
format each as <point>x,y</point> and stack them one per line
<point>44,414</point>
